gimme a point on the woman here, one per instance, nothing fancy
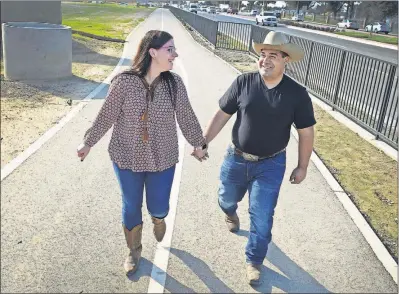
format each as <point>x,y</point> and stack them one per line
<point>141,105</point>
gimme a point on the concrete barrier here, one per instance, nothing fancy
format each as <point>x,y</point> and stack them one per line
<point>36,51</point>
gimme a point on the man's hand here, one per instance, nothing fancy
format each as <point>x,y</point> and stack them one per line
<point>298,175</point>
<point>200,154</point>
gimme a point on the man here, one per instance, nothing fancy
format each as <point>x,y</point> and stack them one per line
<point>267,103</point>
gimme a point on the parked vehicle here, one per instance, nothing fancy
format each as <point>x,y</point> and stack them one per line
<point>266,19</point>
<point>378,27</point>
<point>204,8</point>
<point>348,24</point>
<point>254,12</point>
<point>298,17</point>
<point>193,8</point>
<point>232,11</point>
<point>211,9</point>
<point>218,10</point>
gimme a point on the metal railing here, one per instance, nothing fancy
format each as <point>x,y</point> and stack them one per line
<point>363,88</point>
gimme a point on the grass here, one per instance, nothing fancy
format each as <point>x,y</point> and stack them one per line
<point>227,42</point>
<point>372,37</point>
<point>367,174</point>
<point>105,20</point>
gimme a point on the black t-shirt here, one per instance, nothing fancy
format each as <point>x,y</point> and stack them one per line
<point>265,116</point>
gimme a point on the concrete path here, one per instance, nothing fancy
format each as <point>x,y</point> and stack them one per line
<point>60,218</point>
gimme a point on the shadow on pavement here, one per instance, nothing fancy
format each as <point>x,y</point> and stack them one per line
<point>145,270</point>
<point>200,268</point>
<point>296,279</point>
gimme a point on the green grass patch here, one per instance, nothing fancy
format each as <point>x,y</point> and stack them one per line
<point>227,42</point>
<point>365,172</point>
<point>372,37</point>
<point>105,20</point>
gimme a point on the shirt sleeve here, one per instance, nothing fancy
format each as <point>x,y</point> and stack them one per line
<point>304,114</point>
<point>108,113</point>
<point>229,101</point>
<point>186,118</point>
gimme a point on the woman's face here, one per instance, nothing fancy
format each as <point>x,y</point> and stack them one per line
<point>165,56</point>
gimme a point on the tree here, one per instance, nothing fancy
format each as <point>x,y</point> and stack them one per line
<point>388,8</point>
<point>299,4</point>
<point>377,10</point>
<point>335,7</point>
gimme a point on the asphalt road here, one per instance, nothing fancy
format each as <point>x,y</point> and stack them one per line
<point>61,230</point>
<point>386,54</point>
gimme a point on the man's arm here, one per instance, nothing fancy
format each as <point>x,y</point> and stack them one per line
<point>217,123</point>
<point>305,148</point>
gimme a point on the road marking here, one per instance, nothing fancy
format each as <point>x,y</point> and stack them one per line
<point>162,19</point>
<point>161,258</point>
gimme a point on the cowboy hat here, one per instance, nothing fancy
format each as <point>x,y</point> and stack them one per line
<point>278,41</point>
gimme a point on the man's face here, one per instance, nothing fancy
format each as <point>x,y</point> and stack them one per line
<point>271,63</point>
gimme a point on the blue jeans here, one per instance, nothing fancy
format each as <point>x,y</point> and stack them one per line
<point>157,187</point>
<point>262,180</point>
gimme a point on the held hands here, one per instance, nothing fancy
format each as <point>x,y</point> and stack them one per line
<point>83,151</point>
<point>200,154</point>
<point>298,175</point>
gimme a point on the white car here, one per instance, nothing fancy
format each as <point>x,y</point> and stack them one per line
<point>298,17</point>
<point>211,9</point>
<point>348,24</point>
<point>193,8</point>
<point>377,27</point>
<point>254,12</point>
<point>266,19</point>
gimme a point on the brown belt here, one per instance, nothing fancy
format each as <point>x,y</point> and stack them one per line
<point>251,157</point>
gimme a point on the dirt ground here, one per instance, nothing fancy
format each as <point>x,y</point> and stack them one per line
<point>30,108</point>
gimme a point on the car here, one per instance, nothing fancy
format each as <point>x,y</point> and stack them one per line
<point>211,9</point>
<point>348,24</point>
<point>203,8</point>
<point>232,11</point>
<point>193,8</point>
<point>298,17</point>
<point>378,27</point>
<point>218,10</point>
<point>266,18</point>
<point>254,12</point>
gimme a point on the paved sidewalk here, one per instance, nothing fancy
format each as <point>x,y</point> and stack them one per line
<point>61,231</point>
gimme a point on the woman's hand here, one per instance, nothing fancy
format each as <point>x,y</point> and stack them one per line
<point>200,154</point>
<point>82,151</point>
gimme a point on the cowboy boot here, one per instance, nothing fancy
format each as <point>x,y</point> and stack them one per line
<point>233,222</point>
<point>159,228</point>
<point>253,274</point>
<point>133,241</point>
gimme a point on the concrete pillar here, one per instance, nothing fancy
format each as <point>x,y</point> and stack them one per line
<point>36,51</point>
<point>31,11</point>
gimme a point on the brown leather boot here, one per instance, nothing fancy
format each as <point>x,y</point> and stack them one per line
<point>133,241</point>
<point>159,228</point>
<point>233,222</point>
<point>253,274</point>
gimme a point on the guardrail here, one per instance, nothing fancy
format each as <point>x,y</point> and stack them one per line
<point>363,88</point>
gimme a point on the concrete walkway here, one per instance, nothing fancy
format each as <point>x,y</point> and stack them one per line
<point>61,231</point>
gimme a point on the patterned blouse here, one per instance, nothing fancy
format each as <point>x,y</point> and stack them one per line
<point>144,137</point>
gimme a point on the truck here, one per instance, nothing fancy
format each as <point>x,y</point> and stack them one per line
<point>193,8</point>
<point>267,18</point>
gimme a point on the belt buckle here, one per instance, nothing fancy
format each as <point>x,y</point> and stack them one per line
<point>250,157</point>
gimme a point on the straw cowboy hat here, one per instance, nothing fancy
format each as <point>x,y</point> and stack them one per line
<point>278,41</point>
